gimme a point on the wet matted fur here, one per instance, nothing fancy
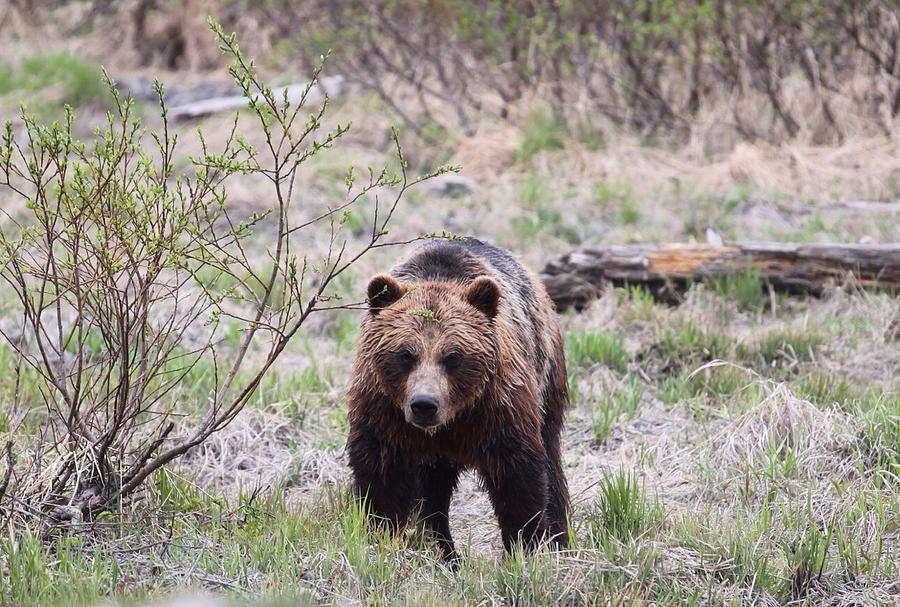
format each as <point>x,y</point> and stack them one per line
<point>463,325</point>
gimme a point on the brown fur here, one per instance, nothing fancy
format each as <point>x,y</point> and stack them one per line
<point>465,325</point>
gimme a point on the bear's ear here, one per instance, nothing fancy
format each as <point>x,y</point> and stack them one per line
<point>383,290</point>
<point>484,294</point>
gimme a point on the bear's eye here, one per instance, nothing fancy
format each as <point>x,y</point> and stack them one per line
<point>406,359</point>
<point>452,361</point>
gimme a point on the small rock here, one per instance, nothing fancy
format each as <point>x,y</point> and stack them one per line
<point>449,184</point>
<point>69,514</point>
<point>713,238</point>
<point>137,88</point>
<point>204,90</point>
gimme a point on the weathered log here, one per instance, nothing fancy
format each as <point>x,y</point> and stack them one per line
<point>331,86</point>
<point>578,277</point>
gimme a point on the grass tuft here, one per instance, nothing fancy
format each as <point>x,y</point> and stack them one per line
<point>621,405</point>
<point>543,131</point>
<point>586,348</point>
<point>623,510</point>
<point>806,556</point>
<point>782,349</point>
<point>826,390</point>
<point>59,76</point>
<point>690,346</point>
<point>543,216</point>
<point>746,288</point>
<point>880,443</point>
<point>782,437</point>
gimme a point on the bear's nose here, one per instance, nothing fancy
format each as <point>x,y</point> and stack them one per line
<point>423,408</point>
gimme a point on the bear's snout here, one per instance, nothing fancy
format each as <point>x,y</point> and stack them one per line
<point>424,409</point>
<point>426,403</point>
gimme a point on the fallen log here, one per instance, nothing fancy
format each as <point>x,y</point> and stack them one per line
<point>331,86</point>
<point>577,278</point>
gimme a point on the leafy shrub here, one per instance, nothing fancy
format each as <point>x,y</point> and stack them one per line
<point>127,274</point>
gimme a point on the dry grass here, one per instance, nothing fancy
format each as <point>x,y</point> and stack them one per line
<point>817,441</point>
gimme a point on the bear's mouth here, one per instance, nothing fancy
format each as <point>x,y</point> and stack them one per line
<point>429,427</point>
<point>429,430</point>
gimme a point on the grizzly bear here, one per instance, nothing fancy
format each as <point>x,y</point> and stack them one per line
<point>460,365</point>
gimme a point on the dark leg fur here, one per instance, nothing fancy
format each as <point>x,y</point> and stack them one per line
<point>558,498</point>
<point>386,482</point>
<point>518,491</point>
<point>437,482</point>
<point>555,400</point>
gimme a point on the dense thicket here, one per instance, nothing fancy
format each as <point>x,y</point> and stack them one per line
<point>770,69</point>
<point>814,70</point>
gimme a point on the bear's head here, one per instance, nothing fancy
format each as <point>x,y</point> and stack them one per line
<point>432,345</point>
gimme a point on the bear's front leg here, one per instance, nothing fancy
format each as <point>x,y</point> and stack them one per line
<point>438,480</point>
<point>517,486</point>
<point>382,477</point>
